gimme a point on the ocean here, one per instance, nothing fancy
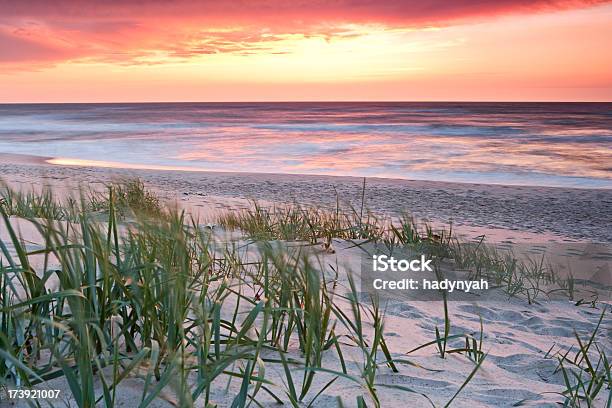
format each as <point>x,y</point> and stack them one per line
<point>544,144</point>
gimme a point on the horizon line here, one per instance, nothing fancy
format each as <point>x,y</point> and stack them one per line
<point>304,101</point>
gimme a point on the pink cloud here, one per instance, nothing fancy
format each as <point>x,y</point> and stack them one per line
<point>133,32</point>
<point>406,12</point>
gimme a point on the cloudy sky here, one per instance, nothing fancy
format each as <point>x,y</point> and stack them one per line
<point>258,50</point>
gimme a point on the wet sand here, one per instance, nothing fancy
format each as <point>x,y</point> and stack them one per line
<point>503,213</point>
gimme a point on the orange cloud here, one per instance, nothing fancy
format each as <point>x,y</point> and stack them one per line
<point>154,50</point>
<point>153,31</point>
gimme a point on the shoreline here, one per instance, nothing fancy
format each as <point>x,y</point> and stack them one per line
<point>505,213</point>
<point>110,165</point>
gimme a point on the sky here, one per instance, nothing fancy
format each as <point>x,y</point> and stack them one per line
<point>323,50</point>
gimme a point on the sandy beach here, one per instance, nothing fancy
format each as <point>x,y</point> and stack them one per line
<point>521,340</point>
<point>502,213</point>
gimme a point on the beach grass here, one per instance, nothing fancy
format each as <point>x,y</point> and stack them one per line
<point>125,287</point>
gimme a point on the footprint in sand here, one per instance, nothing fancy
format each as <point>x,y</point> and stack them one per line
<point>413,382</point>
<point>480,311</point>
<point>508,397</point>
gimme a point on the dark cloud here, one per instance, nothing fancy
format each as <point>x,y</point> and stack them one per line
<point>410,12</point>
